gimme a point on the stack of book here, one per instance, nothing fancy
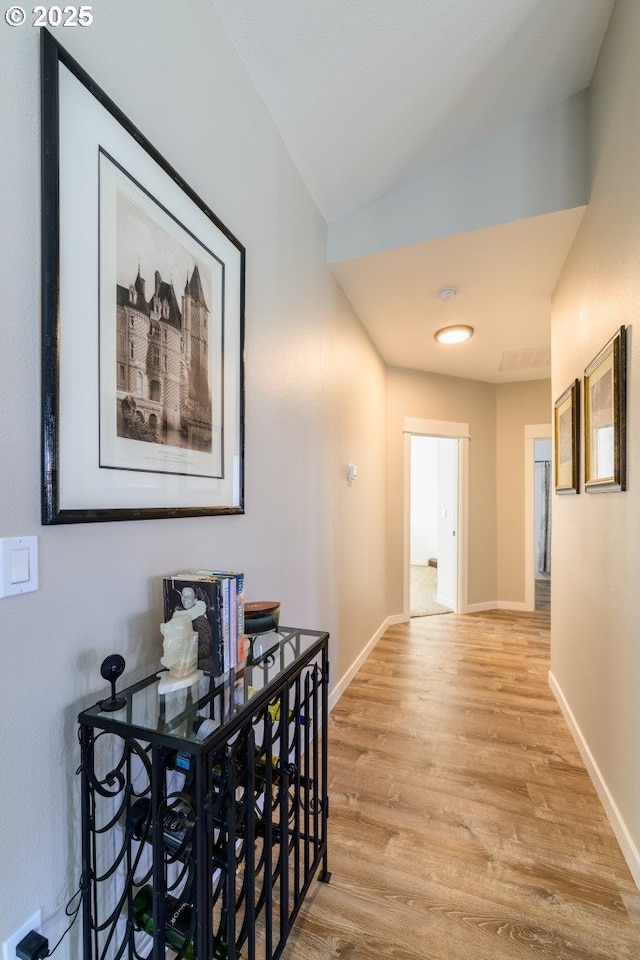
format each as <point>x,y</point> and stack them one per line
<point>214,599</point>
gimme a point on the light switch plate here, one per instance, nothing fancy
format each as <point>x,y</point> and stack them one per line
<point>18,565</point>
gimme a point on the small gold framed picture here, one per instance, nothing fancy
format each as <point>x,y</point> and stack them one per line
<point>567,440</point>
<point>605,420</point>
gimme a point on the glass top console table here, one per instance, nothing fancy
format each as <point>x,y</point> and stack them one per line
<point>204,810</point>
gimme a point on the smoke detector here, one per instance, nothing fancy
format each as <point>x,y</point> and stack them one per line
<point>447,294</point>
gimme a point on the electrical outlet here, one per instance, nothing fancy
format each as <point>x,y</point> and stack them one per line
<point>9,946</point>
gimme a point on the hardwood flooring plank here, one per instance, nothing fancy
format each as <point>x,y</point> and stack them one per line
<point>463,824</point>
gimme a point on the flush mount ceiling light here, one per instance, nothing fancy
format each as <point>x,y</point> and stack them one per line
<point>457,333</point>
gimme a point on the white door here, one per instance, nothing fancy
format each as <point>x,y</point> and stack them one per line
<point>434,512</point>
<point>452,504</point>
<point>447,522</point>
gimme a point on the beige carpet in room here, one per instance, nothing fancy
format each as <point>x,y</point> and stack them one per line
<point>422,592</point>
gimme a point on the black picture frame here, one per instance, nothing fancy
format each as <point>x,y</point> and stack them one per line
<point>566,435</point>
<point>605,417</point>
<point>143,292</point>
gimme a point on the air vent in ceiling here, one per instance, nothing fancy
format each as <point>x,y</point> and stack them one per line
<point>531,358</point>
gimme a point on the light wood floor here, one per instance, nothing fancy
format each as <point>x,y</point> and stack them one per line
<point>543,594</point>
<point>463,824</point>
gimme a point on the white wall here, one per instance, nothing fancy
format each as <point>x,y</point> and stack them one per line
<point>306,538</point>
<point>434,397</point>
<point>424,499</point>
<point>595,558</point>
<point>518,405</point>
<point>537,166</point>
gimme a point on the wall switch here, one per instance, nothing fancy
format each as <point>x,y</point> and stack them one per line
<point>19,572</point>
<point>18,566</point>
<point>9,946</point>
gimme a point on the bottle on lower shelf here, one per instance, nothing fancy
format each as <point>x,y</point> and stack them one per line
<point>178,914</point>
<point>261,771</point>
<point>178,822</point>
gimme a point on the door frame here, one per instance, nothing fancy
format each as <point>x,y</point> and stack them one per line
<point>414,426</point>
<point>532,432</point>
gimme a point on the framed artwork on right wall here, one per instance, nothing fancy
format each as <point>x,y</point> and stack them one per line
<point>566,434</point>
<point>605,420</point>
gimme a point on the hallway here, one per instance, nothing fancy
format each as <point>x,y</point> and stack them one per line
<point>463,825</point>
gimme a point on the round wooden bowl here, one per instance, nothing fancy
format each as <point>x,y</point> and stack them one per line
<point>261,616</point>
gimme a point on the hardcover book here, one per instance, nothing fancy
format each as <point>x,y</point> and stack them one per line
<point>239,647</point>
<point>202,598</point>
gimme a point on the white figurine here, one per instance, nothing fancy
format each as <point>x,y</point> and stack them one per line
<point>180,649</point>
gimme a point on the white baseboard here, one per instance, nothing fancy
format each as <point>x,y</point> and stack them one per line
<point>396,618</point>
<point>518,605</point>
<point>624,838</point>
<point>345,680</point>
<point>515,605</point>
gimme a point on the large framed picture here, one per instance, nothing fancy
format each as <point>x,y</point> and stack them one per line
<point>605,421</point>
<point>143,321</point>
<point>566,435</point>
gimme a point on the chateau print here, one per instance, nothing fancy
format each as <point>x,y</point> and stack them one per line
<point>163,393</point>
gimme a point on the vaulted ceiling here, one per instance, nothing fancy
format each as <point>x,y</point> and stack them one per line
<point>445,143</point>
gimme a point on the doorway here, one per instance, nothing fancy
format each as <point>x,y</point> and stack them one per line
<point>441,449</point>
<point>433,526</point>
<point>542,523</point>
<point>538,516</point>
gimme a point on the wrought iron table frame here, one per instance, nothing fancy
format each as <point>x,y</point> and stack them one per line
<point>255,790</point>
